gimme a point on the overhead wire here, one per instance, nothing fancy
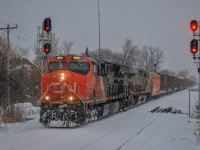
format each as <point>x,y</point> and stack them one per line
<point>18,42</point>
<point>27,30</point>
<point>22,38</point>
<point>25,34</point>
<point>22,30</point>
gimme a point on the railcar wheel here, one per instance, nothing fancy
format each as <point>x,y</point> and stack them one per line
<point>92,115</point>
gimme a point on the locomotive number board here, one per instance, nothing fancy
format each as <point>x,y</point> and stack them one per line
<point>59,57</point>
<point>76,57</point>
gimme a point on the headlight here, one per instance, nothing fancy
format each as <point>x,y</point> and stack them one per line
<point>47,98</point>
<point>62,76</point>
<point>71,98</point>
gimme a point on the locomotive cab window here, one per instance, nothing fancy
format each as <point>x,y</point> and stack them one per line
<point>54,66</point>
<point>79,67</point>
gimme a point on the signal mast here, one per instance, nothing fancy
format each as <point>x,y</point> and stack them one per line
<point>194,48</point>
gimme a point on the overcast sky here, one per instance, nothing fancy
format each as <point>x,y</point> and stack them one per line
<point>163,23</point>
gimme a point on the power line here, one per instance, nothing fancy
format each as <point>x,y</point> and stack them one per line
<point>19,26</point>
<point>29,34</point>
<point>28,31</point>
<point>18,42</point>
<point>25,34</point>
<point>23,38</point>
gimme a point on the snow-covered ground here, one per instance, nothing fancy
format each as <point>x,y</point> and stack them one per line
<point>135,129</point>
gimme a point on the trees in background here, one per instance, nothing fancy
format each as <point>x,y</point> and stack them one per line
<point>168,72</point>
<point>148,57</point>
<point>23,76</point>
<point>129,53</point>
<point>151,58</point>
<point>66,47</point>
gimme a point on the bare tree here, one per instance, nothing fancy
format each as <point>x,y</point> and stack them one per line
<point>117,58</point>
<point>129,53</point>
<point>150,58</point>
<point>55,45</point>
<point>156,58</point>
<point>143,58</point>
<point>66,47</point>
<point>3,47</point>
<point>106,54</point>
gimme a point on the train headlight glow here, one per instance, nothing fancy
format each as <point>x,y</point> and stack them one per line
<point>47,98</point>
<point>71,98</point>
<point>62,76</point>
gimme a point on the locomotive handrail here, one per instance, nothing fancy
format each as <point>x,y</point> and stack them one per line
<point>79,95</point>
<point>40,99</point>
<point>73,91</point>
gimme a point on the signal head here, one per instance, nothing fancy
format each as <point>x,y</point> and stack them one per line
<point>47,24</point>
<point>47,48</point>
<point>193,25</point>
<point>194,46</point>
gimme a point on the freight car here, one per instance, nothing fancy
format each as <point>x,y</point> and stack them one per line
<point>170,84</point>
<point>77,89</point>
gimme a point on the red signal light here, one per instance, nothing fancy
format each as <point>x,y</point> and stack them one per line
<point>46,28</point>
<point>47,24</point>
<point>47,48</point>
<point>194,46</point>
<point>193,25</point>
<point>194,50</point>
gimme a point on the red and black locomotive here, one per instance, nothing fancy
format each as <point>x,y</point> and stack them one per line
<point>78,89</point>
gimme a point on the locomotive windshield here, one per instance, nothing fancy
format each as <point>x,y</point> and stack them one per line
<point>79,67</point>
<point>53,66</point>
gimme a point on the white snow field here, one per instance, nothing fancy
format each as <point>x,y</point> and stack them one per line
<point>135,129</point>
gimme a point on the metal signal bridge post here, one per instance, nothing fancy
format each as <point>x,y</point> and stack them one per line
<point>194,48</point>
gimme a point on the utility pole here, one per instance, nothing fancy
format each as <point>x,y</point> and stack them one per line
<point>8,29</point>
<point>99,31</point>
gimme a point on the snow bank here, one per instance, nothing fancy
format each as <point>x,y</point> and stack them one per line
<point>27,109</point>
